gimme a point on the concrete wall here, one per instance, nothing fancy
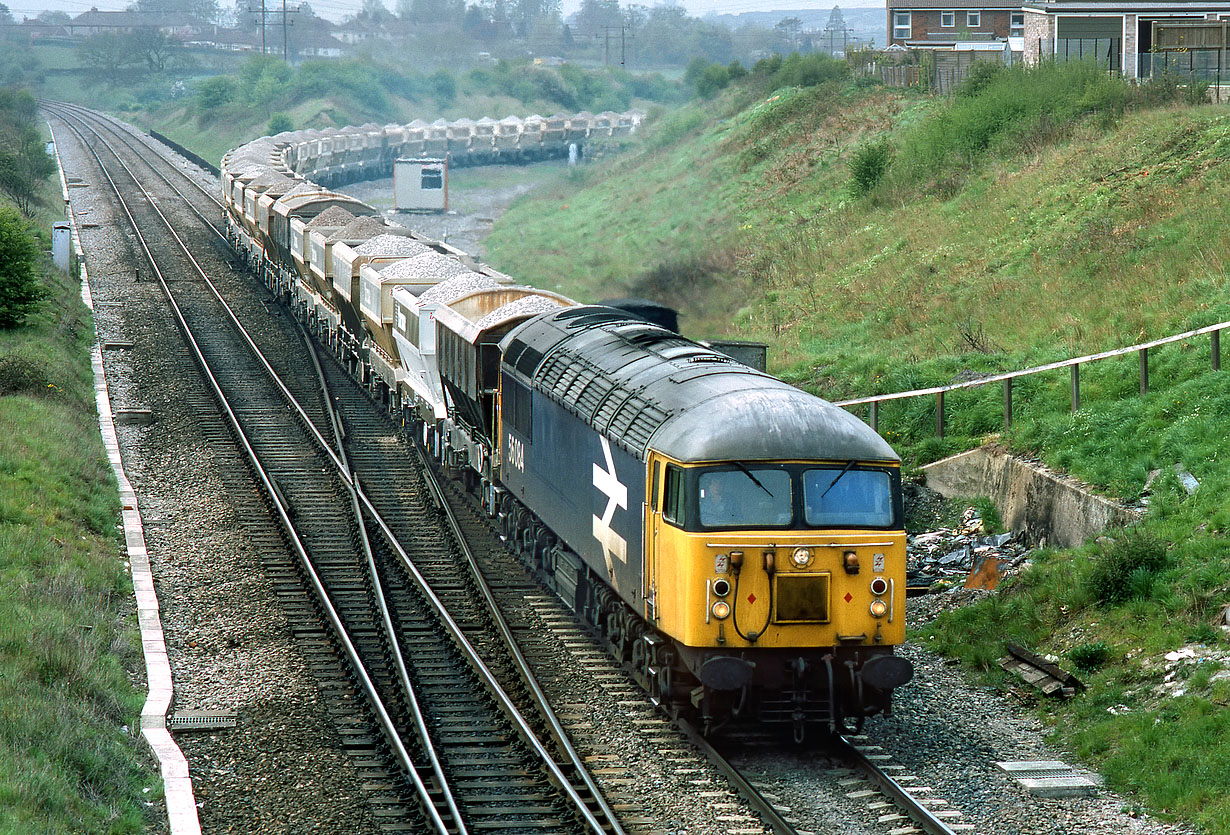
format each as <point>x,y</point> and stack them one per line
<point>1043,507</point>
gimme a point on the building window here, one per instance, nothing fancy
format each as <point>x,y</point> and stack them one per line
<point>1016,28</point>
<point>901,26</point>
<point>431,178</point>
<point>973,19</point>
<point>948,19</point>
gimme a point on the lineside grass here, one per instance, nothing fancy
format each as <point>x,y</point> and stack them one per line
<point>71,757</point>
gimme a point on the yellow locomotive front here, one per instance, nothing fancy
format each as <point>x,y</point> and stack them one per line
<point>737,541</point>
<point>781,584</point>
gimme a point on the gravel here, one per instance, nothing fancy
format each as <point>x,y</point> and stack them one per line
<point>228,644</point>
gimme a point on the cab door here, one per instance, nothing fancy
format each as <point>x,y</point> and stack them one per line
<point>652,510</point>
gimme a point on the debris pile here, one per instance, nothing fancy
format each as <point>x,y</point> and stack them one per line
<point>962,556</point>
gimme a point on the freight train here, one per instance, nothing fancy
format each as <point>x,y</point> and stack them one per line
<point>738,543</point>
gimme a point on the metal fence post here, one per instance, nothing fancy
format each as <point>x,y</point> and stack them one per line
<point>1076,387</point>
<point>1008,403</point>
<point>939,414</point>
<point>875,416</point>
<point>1216,350</point>
<point>1144,370</point>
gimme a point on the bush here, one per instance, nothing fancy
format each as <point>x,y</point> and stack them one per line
<point>712,80</point>
<point>215,92</point>
<point>20,257</point>
<point>23,375</point>
<point>869,165</point>
<point>1127,568</point>
<point>1007,108</point>
<point>1089,657</point>
<point>980,76</point>
<point>278,123</point>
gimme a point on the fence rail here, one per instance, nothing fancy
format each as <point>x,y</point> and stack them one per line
<point>1142,350</point>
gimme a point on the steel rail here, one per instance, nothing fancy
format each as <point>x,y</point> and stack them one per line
<point>474,658</point>
<point>493,684</point>
<point>909,804</point>
<point>283,513</point>
<point>403,673</point>
<point>122,130</point>
<point>536,693</point>
<point>746,790</point>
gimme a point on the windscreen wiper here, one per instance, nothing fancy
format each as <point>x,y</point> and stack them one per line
<point>844,470</point>
<point>755,480</point>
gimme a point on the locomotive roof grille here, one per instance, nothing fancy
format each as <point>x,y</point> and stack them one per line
<point>638,384</point>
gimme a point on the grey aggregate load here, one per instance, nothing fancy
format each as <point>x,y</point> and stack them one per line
<point>389,244</point>
<point>332,216</point>
<point>456,288</point>
<point>526,306</point>
<point>360,229</point>
<point>427,266</point>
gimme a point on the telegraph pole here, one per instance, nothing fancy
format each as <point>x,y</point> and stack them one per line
<point>623,44</point>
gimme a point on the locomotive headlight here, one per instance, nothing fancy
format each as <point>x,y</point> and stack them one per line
<point>721,587</point>
<point>878,608</point>
<point>801,557</point>
<point>878,586</point>
<point>721,610</point>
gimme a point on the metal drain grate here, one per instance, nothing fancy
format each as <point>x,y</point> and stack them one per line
<point>201,720</point>
<point>1051,778</point>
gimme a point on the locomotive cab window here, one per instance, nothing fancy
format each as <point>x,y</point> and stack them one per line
<point>843,497</point>
<point>745,497</point>
<point>673,504</point>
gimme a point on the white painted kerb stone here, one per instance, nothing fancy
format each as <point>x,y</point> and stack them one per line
<point>177,785</point>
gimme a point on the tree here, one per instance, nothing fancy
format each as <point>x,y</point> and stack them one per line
<point>215,92</point>
<point>836,21</point>
<point>526,12</point>
<point>431,11</point>
<point>20,255</point>
<point>374,11</point>
<point>53,18</point>
<point>24,163</point>
<point>6,16</point>
<point>153,46</point>
<point>595,15</point>
<point>109,54</point>
<point>788,28</point>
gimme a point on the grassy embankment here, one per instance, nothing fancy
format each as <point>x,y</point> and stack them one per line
<point>71,756</point>
<point>1050,215</point>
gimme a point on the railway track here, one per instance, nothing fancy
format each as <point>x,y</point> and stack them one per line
<point>429,550</point>
<point>486,743</point>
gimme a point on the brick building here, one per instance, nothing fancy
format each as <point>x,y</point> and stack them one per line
<point>921,23</point>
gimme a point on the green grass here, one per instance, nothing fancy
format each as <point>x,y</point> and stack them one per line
<point>71,757</point>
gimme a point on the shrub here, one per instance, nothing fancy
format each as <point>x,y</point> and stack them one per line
<point>1008,108</point>
<point>1089,657</point>
<point>869,165</point>
<point>1127,568</point>
<point>278,123</point>
<point>20,256</point>
<point>215,92</point>
<point>23,375</point>
<point>980,76</point>
<point>713,79</point>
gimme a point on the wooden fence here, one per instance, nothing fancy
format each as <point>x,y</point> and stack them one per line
<point>1142,350</point>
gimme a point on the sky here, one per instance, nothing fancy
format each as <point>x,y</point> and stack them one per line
<point>337,9</point>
